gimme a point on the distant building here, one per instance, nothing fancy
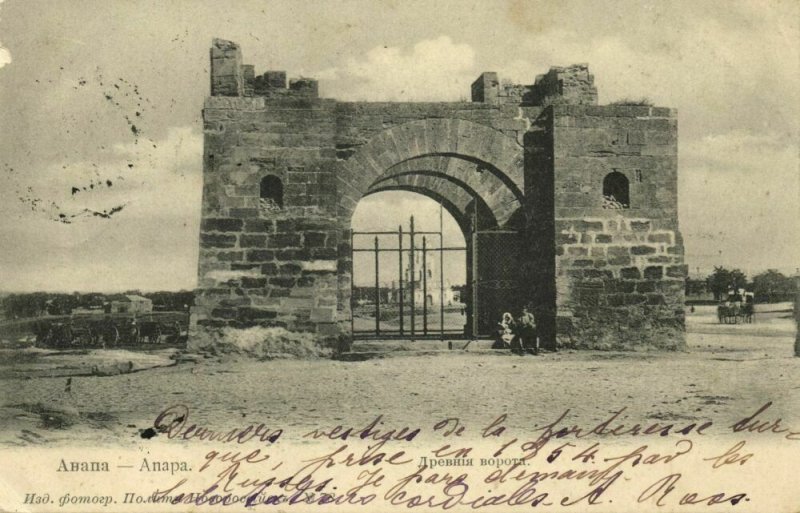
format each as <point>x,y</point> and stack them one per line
<point>130,304</point>
<point>426,290</point>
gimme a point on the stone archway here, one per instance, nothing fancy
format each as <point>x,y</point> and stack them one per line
<point>502,200</point>
<point>467,164</point>
<point>489,149</point>
<point>601,277</point>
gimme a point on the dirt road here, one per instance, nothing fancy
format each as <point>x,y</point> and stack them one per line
<point>726,371</point>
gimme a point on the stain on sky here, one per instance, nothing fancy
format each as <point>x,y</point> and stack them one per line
<point>126,97</point>
<point>88,212</point>
<point>123,97</point>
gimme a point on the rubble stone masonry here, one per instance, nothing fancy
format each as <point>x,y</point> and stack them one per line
<point>284,170</point>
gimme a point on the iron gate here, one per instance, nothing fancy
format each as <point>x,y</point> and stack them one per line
<point>414,252</point>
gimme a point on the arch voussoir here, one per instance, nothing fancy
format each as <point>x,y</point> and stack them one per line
<point>457,148</point>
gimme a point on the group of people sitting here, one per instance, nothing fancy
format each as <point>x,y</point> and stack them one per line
<point>518,335</point>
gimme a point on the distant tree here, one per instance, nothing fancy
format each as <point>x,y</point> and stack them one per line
<point>722,280</point>
<point>772,286</point>
<point>16,306</point>
<point>91,300</point>
<point>696,287</point>
<point>61,304</point>
<point>168,301</point>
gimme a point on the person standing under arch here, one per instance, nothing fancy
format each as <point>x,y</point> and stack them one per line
<point>529,339</point>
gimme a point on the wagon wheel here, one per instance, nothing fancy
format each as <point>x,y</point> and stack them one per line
<point>43,338</point>
<point>155,334</point>
<point>60,336</point>
<point>110,335</point>
<point>84,338</point>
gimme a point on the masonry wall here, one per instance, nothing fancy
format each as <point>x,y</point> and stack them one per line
<point>598,277</point>
<point>259,265</point>
<point>619,271</point>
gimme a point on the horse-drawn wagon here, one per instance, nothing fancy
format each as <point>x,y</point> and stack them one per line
<point>111,330</point>
<point>735,312</point>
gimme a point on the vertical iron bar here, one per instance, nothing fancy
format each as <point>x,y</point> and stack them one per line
<point>377,291</point>
<point>441,275</point>
<point>412,279</point>
<point>475,267</point>
<point>424,286</point>
<point>400,259</point>
<point>352,277</point>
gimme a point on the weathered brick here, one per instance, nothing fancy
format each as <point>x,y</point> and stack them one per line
<point>230,256</point>
<point>244,212</point>
<point>252,241</point>
<point>597,274</point>
<point>598,252</point>
<point>217,240</point>
<point>635,299</point>
<point>578,251</point>
<point>259,225</point>
<point>212,323</point>
<point>286,225</point>
<point>630,273</point>
<point>619,260</point>
<point>259,255</point>
<point>646,286</point>
<point>306,281</point>
<point>663,238</point>
<point>653,272</point>
<point>615,300</point>
<point>603,238</point>
<point>314,239</point>
<point>618,251</point>
<point>256,314</point>
<point>292,254</point>
<point>323,253</point>
<point>642,250</point>
<point>621,286</point>
<point>315,225</point>
<point>282,281</point>
<point>235,301</point>
<point>284,240</point>
<point>290,269</point>
<point>224,313</point>
<point>640,226</point>
<point>253,283</point>
<point>676,271</point>
<point>244,267</point>
<point>221,225</point>
<point>586,226</point>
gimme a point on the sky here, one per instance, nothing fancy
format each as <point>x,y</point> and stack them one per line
<point>101,135</point>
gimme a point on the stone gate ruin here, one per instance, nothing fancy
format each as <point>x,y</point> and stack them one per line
<point>565,204</point>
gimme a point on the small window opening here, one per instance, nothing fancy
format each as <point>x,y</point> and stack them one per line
<point>616,191</point>
<point>638,176</point>
<point>271,194</point>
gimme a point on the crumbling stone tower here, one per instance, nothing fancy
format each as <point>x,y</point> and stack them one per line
<point>565,204</point>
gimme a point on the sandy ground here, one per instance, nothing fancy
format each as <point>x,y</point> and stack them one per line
<point>726,371</point>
